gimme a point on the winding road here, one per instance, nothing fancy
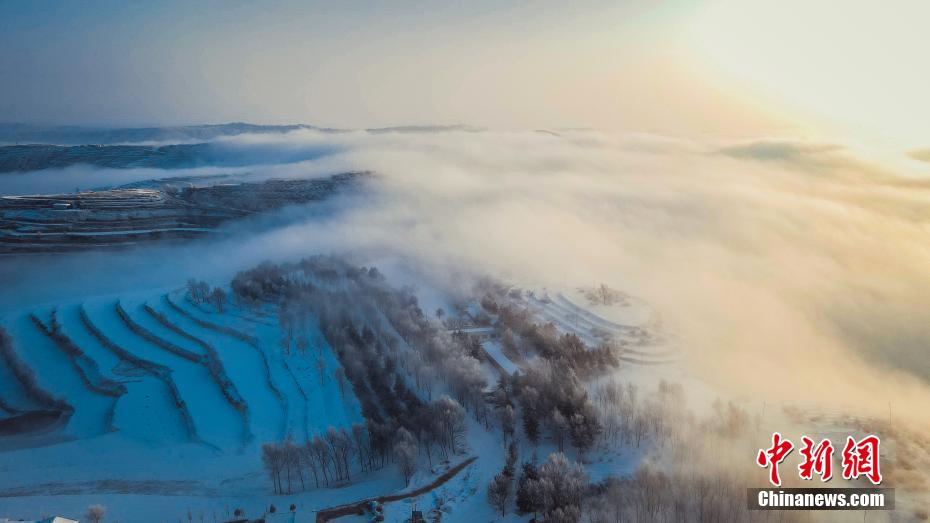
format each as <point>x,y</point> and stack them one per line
<point>358,507</point>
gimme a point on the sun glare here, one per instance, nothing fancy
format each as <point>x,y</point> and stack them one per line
<point>855,68</point>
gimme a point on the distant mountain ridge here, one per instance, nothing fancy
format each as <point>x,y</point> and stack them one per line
<point>17,133</point>
<point>24,158</point>
<point>24,134</point>
<point>34,157</point>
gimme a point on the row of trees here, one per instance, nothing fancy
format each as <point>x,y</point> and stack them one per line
<point>629,417</point>
<point>703,472</point>
<point>700,485</point>
<point>324,458</point>
<point>200,292</point>
<point>655,495</point>
<point>332,457</point>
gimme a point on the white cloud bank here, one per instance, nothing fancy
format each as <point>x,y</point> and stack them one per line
<point>788,271</point>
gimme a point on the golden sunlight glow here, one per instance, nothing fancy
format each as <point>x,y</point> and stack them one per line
<point>858,68</point>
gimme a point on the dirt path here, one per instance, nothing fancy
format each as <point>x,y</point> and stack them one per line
<point>358,507</point>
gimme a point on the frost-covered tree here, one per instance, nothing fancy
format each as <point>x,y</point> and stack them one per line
<point>405,454</point>
<point>529,499</point>
<point>558,426</point>
<point>584,428</point>
<point>569,514</point>
<point>563,484</point>
<point>499,491</point>
<point>508,420</point>
<point>511,462</point>
<point>529,403</point>
<point>450,424</point>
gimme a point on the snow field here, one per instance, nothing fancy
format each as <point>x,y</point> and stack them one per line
<point>246,368</point>
<point>147,411</point>
<point>324,403</point>
<point>55,373</point>
<point>214,419</point>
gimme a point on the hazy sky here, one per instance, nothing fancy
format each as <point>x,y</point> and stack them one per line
<point>721,67</point>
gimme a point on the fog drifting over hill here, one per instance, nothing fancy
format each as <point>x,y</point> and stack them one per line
<point>787,271</point>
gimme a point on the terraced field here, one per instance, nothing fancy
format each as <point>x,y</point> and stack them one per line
<point>637,342</point>
<point>158,211</point>
<point>160,369</point>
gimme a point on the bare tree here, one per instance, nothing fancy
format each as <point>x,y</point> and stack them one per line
<point>302,345</point>
<point>321,368</point>
<point>272,459</point>
<point>218,298</point>
<point>198,290</point>
<point>95,513</point>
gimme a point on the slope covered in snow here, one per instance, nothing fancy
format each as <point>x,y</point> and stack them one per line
<point>172,434</point>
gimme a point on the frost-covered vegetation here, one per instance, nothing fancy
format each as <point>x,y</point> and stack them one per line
<point>383,341</point>
<point>331,378</point>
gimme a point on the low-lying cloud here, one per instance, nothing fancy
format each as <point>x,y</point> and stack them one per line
<point>787,272</point>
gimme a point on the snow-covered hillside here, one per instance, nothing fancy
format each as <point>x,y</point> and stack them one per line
<point>166,398</point>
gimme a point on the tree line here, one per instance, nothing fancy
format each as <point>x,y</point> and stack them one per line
<point>384,342</point>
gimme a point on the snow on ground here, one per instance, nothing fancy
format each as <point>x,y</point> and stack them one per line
<point>215,420</point>
<point>268,342</point>
<point>12,393</point>
<point>496,351</point>
<point>148,471</point>
<point>246,368</point>
<point>321,401</point>
<point>59,378</point>
<point>146,412</point>
<point>641,341</point>
<point>625,311</point>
